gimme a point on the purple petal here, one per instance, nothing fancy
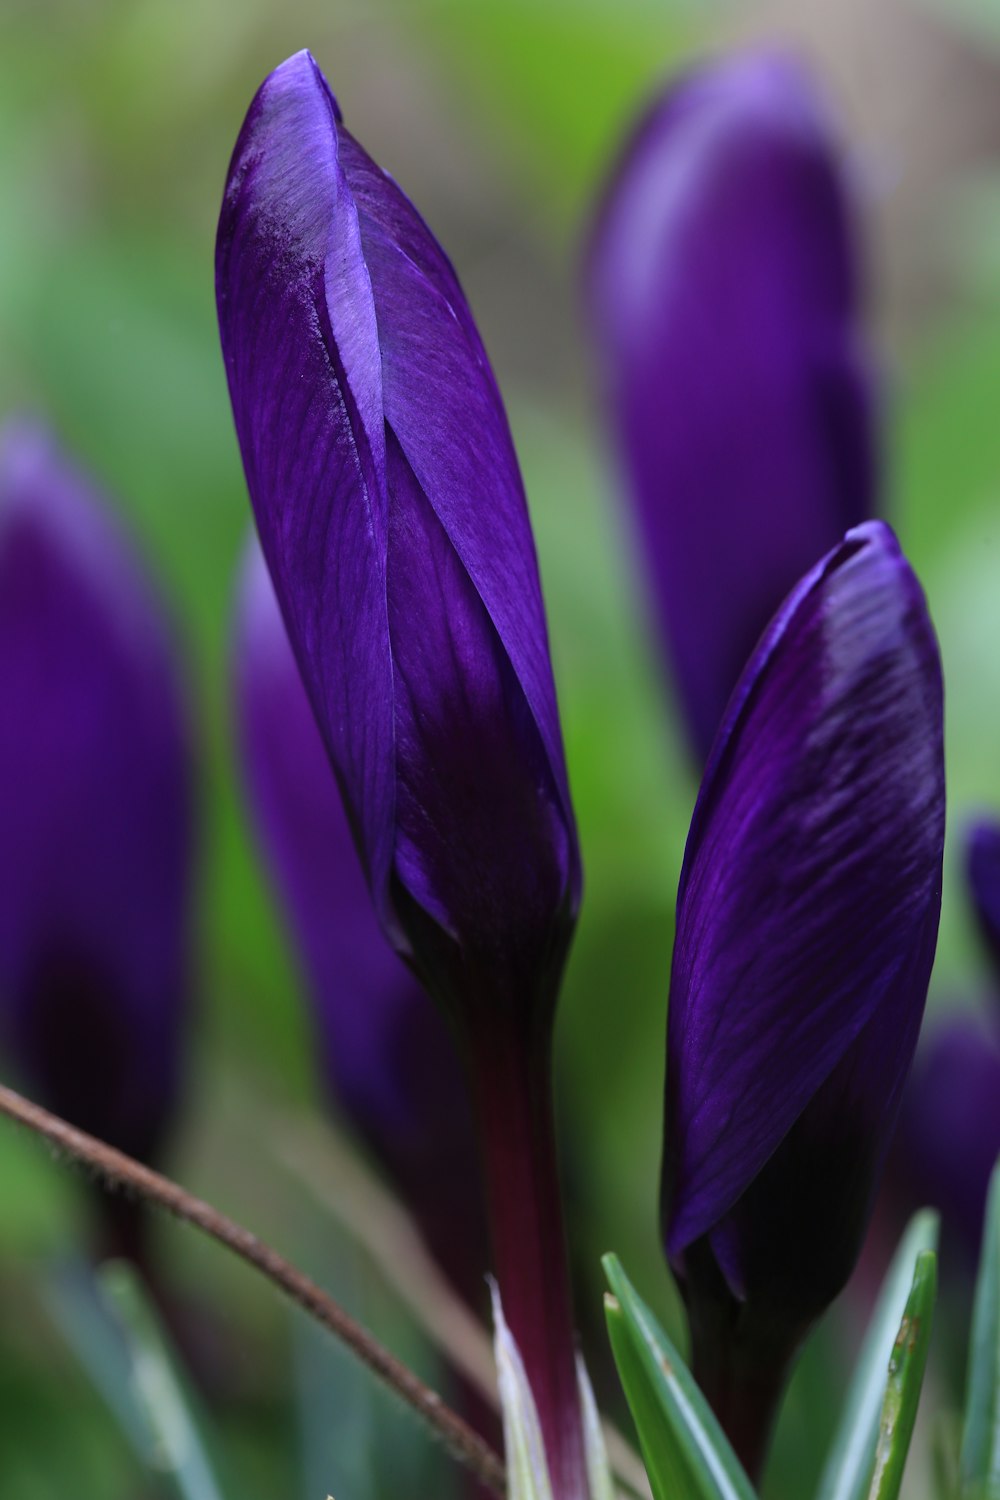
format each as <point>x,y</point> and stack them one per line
<point>471,764</point>
<point>392,516</point>
<point>385,1049</point>
<point>723,295</point>
<point>982,856</point>
<point>808,906</point>
<point>95,807</point>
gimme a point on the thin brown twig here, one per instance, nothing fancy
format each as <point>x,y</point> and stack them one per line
<point>121,1171</point>
<point>319,1155</point>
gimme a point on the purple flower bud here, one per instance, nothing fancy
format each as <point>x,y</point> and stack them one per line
<point>982,854</point>
<point>95,808</point>
<point>949,1134</point>
<point>806,925</point>
<point>722,289</point>
<point>393,520</point>
<point>949,1130</point>
<point>384,1047</point>
<point>392,516</point>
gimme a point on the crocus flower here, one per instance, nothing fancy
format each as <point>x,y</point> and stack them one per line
<point>95,808</point>
<point>949,1135</point>
<point>983,874</point>
<point>806,925</point>
<point>385,1051</point>
<point>392,516</point>
<point>723,295</point>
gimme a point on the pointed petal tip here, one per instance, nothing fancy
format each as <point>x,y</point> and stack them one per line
<point>872,544</point>
<point>757,92</point>
<point>297,84</point>
<point>301,68</point>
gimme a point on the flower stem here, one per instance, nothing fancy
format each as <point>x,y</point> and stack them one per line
<point>742,1373</point>
<point>745,1406</point>
<point>512,1086</point>
<point>121,1172</point>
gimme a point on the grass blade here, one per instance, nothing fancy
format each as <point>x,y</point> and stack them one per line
<point>80,1313</point>
<point>980,1454</point>
<point>906,1374</point>
<point>595,1451</point>
<point>177,1451</point>
<point>848,1468</point>
<point>524,1449</point>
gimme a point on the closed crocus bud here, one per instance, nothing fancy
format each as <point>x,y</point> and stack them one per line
<point>384,1048</point>
<point>393,520</point>
<point>807,919</point>
<point>95,809</point>
<point>982,856</point>
<point>723,297</point>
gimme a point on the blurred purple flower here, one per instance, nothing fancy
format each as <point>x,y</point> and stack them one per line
<point>806,926</point>
<point>95,808</point>
<point>385,1049</point>
<point>723,295</point>
<point>949,1135</point>
<point>949,1130</point>
<point>982,856</point>
<point>393,520</point>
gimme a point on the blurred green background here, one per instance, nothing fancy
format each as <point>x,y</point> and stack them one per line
<point>498,117</point>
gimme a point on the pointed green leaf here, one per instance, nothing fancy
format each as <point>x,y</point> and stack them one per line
<point>685,1450</point>
<point>980,1460</point>
<point>667,1472</point>
<point>906,1376</point>
<point>848,1469</point>
<point>177,1449</point>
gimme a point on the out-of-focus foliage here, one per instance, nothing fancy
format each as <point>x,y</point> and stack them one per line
<point>497,116</point>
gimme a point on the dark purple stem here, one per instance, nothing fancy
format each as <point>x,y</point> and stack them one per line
<point>513,1090</point>
<point>742,1372</point>
<point>746,1405</point>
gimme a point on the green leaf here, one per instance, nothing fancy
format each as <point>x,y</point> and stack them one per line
<point>527,1470</point>
<point>176,1447</point>
<point>848,1468</point>
<point>980,1456</point>
<point>906,1375</point>
<point>684,1448</point>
